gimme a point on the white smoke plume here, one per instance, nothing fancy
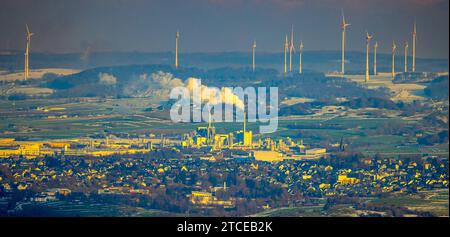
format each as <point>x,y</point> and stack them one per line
<point>159,85</point>
<point>213,95</point>
<point>107,79</point>
<point>162,83</point>
<point>165,80</point>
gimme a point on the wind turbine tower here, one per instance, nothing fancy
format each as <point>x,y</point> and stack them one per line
<point>375,58</point>
<point>291,49</point>
<point>300,50</point>
<point>406,56</point>
<point>344,26</point>
<point>177,39</point>
<point>394,48</point>
<point>253,54</point>
<point>414,38</point>
<point>368,38</point>
<point>27,53</point>
<point>286,46</point>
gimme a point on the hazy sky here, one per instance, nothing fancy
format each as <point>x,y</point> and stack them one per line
<point>220,25</point>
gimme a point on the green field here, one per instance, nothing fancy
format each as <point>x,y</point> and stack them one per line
<point>435,202</point>
<point>82,209</point>
<point>314,211</point>
<point>22,120</point>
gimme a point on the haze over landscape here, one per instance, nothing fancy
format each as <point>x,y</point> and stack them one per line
<point>220,25</point>
<point>355,94</point>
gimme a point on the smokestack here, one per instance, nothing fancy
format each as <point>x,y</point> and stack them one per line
<point>245,122</point>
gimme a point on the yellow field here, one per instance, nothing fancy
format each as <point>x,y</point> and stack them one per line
<point>29,91</point>
<point>296,100</point>
<point>38,73</point>
<point>400,92</point>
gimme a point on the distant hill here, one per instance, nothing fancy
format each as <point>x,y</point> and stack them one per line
<point>320,61</point>
<point>438,88</point>
<point>415,77</point>
<point>157,80</point>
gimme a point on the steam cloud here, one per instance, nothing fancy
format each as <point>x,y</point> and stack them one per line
<point>165,80</point>
<point>159,85</point>
<point>107,79</point>
<point>213,95</point>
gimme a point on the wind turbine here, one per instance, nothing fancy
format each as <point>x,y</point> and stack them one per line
<point>375,46</point>
<point>344,26</point>
<point>177,38</point>
<point>300,50</point>
<point>368,38</point>
<point>286,46</point>
<point>394,48</point>
<point>253,54</point>
<point>291,49</point>
<point>406,56</point>
<point>27,52</point>
<point>414,38</point>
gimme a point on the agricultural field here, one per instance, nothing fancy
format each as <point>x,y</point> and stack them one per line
<point>42,119</point>
<point>313,211</point>
<point>434,202</point>
<point>36,73</point>
<point>406,92</point>
<point>86,209</point>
